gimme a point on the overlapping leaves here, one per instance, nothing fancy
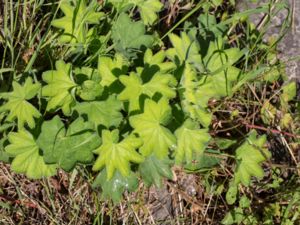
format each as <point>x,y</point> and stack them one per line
<point>147,8</point>
<point>150,126</point>
<point>66,147</point>
<point>124,110</point>
<point>135,87</point>
<point>115,155</point>
<point>129,36</point>
<point>27,156</point>
<point>76,20</point>
<point>60,87</point>
<point>18,106</point>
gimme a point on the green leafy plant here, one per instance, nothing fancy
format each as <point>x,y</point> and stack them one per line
<point>114,155</point>
<point>27,157</point>
<point>148,8</point>
<point>76,20</point>
<point>18,106</point>
<point>67,147</point>
<point>249,156</point>
<point>129,43</point>
<point>139,104</point>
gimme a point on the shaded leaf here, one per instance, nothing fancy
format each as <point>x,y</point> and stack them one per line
<point>115,187</point>
<point>67,147</point>
<point>129,36</point>
<point>202,162</point>
<point>153,170</point>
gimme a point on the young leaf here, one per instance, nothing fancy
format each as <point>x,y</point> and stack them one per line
<point>114,188</point>
<point>289,92</point>
<point>90,90</point>
<point>134,88</point>
<point>111,69</point>
<point>106,113</point>
<point>231,193</point>
<point>89,79</point>
<point>18,106</point>
<point>153,170</point>
<point>76,20</point>
<point>191,101</point>
<point>158,60</point>
<point>148,10</point>
<point>268,113</point>
<point>249,157</point>
<point>66,148</point>
<point>129,36</point>
<point>184,50</point>
<point>59,88</point>
<point>150,127</point>
<point>190,139</point>
<point>115,155</point>
<point>27,158</point>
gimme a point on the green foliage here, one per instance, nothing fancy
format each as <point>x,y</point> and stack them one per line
<point>157,61</point>
<point>91,87</point>
<point>114,188</point>
<point>184,50</point>
<point>153,170</point>
<point>18,106</point>
<point>129,36</point>
<point>111,69</point>
<point>67,147</point>
<point>115,155</point>
<point>106,113</point>
<point>192,103</point>
<point>141,102</point>
<point>238,215</point>
<point>60,87</point>
<point>27,156</point>
<point>148,8</point>
<point>76,20</point>
<point>150,126</point>
<point>134,87</point>
<point>231,194</point>
<point>190,139</point>
<point>249,157</point>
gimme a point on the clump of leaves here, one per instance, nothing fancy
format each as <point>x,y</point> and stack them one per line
<point>18,105</point>
<point>136,111</point>
<point>76,20</point>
